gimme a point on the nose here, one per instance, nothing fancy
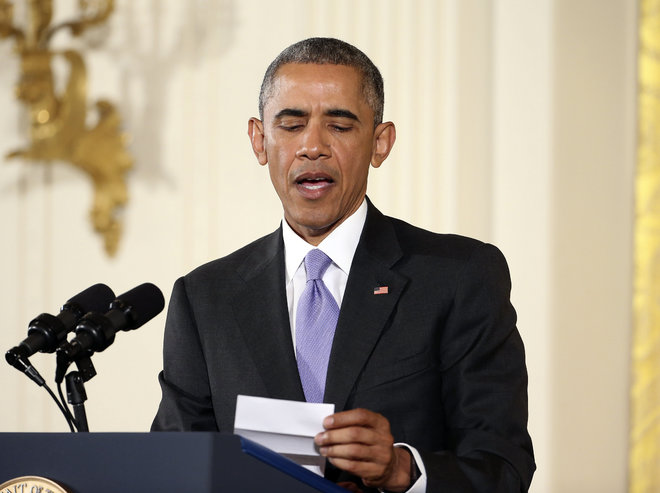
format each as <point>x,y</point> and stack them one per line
<point>313,143</point>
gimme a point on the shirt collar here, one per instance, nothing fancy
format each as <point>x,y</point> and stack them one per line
<point>339,245</point>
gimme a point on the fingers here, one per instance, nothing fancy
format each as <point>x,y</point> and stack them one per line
<point>369,462</point>
<point>357,434</point>
<point>356,417</point>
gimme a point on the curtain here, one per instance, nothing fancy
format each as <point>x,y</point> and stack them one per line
<point>645,393</point>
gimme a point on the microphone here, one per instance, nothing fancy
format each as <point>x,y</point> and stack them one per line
<point>129,311</point>
<point>46,332</point>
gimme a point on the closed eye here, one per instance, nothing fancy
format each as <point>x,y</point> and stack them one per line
<point>290,128</point>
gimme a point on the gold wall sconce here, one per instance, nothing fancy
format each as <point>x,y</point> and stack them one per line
<point>58,121</point>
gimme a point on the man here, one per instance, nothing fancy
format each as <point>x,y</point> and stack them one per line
<point>418,343</point>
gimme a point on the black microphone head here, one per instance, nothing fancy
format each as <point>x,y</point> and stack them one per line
<point>141,303</point>
<point>95,298</point>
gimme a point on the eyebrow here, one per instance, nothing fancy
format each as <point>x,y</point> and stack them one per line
<point>337,113</point>
<point>289,112</point>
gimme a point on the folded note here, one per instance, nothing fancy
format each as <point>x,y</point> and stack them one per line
<point>287,427</point>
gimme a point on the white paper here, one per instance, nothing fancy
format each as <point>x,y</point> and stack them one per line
<point>286,427</point>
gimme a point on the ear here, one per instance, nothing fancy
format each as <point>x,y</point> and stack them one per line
<point>384,137</point>
<point>256,134</point>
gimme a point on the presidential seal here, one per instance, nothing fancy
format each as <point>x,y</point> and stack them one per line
<point>31,484</point>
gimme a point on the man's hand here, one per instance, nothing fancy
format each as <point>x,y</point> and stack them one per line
<point>359,441</point>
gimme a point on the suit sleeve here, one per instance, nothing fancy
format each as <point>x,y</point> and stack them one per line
<point>484,386</point>
<point>184,367</point>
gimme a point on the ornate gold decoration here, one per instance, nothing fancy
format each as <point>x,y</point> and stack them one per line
<point>58,122</point>
<point>644,461</point>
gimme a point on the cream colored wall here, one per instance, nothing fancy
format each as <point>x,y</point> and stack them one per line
<point>594,145</point>
<point>515,124</point>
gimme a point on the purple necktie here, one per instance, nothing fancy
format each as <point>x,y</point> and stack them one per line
<point>316,320</point>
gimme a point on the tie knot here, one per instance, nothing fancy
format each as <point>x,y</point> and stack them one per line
<point>316,263</point>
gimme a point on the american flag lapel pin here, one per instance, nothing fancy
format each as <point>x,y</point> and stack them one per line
<point>381,290</point>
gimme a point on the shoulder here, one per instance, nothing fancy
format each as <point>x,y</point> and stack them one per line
<point>414,241</point>
<point>419,240</point>
<point>241,263</point>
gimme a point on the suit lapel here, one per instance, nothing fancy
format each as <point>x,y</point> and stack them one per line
<point>260,309</point>
<point>364,314</point>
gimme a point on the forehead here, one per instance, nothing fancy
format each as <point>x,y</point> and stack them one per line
<point>308,85</point>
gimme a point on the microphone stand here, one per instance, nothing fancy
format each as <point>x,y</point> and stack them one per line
<point>76,396</point>
<point>75,386</point>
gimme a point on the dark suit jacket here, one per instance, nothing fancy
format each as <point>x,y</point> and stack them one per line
<point>439,355</point>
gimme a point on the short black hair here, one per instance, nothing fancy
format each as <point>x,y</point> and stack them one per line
<point>330,51</point>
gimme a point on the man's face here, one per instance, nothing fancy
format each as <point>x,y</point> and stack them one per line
<point>318,139</point>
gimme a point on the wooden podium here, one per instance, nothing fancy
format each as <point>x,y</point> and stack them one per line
<point>197,462</point>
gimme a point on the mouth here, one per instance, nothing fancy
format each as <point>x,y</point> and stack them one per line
<point>313,185</point>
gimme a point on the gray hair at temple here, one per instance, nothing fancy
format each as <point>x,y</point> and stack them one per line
<point>334,52</point>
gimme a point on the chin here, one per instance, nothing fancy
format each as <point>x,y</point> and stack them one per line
<point>316,225</point>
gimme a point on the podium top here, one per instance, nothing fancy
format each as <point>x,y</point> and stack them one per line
<point>198,462</point>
